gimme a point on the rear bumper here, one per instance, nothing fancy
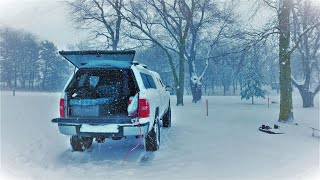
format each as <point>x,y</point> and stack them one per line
<point>125,127</point>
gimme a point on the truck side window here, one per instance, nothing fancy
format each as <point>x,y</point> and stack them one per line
<point>151,82</point>
<point>145,81</point>
<point>148,81</point>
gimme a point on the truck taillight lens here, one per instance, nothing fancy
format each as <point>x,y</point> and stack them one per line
<point>144,108</point>
<point>61,107</point>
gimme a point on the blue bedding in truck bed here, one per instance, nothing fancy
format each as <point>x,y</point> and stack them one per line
<point>90,102</point>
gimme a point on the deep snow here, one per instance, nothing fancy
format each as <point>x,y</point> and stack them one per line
<point>224,145</point>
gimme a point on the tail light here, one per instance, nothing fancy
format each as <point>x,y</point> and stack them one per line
<point>61,107</point>
<point>144,108</point>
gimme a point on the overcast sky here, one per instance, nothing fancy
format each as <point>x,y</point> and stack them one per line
<point>49,19</point>
<point>46,18</point>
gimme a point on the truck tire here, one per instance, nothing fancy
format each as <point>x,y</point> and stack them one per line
<point>166,121</point>
<point>152,139</point>
<point>80,143</point>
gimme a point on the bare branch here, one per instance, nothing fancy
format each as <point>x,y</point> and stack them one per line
<point>316,90</point>
<point>206,66</point>
<point>295,83</point>
<point>300,37</point>
<point>269,3</point>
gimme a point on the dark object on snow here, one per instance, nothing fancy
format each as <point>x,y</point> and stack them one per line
<point>315,130</point>
<point>268,129</point>
<point>276,127</point>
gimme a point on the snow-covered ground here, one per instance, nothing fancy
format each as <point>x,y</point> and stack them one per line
<point>224,145</point>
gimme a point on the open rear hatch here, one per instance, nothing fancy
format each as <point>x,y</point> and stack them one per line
<point>100,92</point>
<point>99,59</point>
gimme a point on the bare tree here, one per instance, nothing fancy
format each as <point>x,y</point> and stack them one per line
<point>183,29</point>
<point>284,10</point>
<point>20,55</point>
<point>204,16</point>
<point>102,17</point>
<point>26,63</point>
<point>29,53</point>
<point>306,14</point>
<point>163,24</point>
<point>197,12</point>
<point>10,38</point>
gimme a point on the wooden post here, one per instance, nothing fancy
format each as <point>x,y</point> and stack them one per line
<point>14,91</point>
<point>312,132</point>
<point>207,107</point>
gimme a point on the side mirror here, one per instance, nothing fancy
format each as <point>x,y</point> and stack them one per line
<point>169,88</point>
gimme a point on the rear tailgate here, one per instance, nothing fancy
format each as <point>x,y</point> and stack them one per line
<point>99,59</point>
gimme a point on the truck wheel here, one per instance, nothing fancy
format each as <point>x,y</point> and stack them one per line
<point>80,143</point>
<point>152,139</point>
<point>166,121</point>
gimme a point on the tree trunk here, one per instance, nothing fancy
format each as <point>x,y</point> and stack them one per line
<point>307,98</point>
<point>240,83</point>
<point>45,73</point>
<point>286,113</point>
<point>236,84</point>
<point>179,97</point>
<point>23,78</point>
<point>9,83</point>
<point>15,78</point>
<point>180,90</point>
<point>213,87</point>
<point>118,6</point>
<point>205,87</point>
<point>196,92</point>
<point>23,83</point>
<point>252,100</point>
<point>234,87</point>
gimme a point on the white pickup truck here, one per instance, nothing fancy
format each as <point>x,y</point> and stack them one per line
<point>112,96</point>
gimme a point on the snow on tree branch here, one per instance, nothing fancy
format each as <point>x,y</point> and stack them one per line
<point>301,35</point>
<point>295,82</point>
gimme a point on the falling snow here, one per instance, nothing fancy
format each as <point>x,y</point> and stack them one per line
<point>222,145</point>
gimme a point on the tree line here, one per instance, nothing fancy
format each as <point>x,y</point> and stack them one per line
<point>187,32</point>
<point>296,26</point>
<point>198,46</point>
<point>205,43</point>
<point>30,64</point>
